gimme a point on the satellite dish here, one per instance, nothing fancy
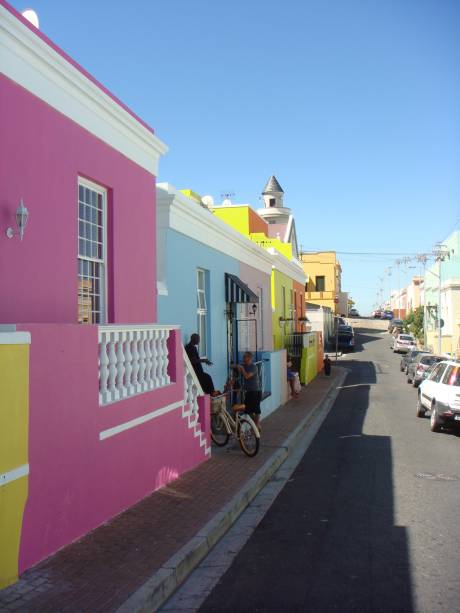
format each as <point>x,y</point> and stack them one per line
<point>208,201</point>
<point>32,17</point>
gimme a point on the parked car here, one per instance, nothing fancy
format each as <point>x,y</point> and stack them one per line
<point>395,323</point>
<point>439,395</point>
<point>408,358</point>
<point>387,314</point>
<point>418,369</point>
<point>353,313</point>
<point>403,343</point>
<point>345,338</point>
<point>377,314</point>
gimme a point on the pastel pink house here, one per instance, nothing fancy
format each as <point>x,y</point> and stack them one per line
<point>115,409</point>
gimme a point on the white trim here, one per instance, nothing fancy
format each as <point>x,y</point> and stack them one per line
<point>13,475</point>
<point>15,338</point>
<point>136,327</point>
<point>132,423</point>
<point>29,61</point>
<point>178,212</point>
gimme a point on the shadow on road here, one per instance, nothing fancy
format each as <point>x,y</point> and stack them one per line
<point>329,542</point>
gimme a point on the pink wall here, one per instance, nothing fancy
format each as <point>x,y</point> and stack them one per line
<point>77,481</point>
<point>41,157</point>
<point>255,278</point>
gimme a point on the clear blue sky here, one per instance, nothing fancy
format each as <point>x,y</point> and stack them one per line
<point>353,104</point>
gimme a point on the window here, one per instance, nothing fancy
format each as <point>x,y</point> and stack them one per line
<point>453,376</point>
<point>439,373</point>
<point>92,201</point>
<point>272,202</point>
<point>202,311</point>
<point>320,284</point>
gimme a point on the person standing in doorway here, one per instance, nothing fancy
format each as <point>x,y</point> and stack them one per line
<point>191,350</point>
<point>252,385</point>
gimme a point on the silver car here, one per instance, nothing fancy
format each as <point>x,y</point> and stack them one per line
<point>404,343</point>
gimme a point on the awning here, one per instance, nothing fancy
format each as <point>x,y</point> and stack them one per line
<point>236,291</point>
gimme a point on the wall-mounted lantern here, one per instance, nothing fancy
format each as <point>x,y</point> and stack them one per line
<point>22,216</point>
<point>254,309</point>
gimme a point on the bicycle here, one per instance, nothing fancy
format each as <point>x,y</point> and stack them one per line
<point>243,428</point>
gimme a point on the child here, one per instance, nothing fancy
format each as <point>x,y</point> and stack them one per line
<point>291,377</point>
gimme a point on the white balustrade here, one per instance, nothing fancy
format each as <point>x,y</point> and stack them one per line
<point>192,387</point>
<point>132,360</point>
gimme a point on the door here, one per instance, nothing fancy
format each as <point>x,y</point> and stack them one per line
<point>431,387</point>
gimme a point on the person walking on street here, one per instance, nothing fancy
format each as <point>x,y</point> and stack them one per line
<point>252,386</point>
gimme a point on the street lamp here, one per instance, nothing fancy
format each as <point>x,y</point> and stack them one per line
<point>22,216</point>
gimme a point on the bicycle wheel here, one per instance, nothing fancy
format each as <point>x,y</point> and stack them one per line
<point>247,437</point>
<point>219,432</point>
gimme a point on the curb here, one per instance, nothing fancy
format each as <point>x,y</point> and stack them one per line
<point>164,582</point>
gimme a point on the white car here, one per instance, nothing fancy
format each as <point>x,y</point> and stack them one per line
<point>404,343</point>
<point>439,394</point>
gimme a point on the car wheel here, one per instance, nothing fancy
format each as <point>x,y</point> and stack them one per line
<point>420,407</point>
<point>434,419</point>
<point>409,380</point>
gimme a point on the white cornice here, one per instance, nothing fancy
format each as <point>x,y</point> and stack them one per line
<point>32,63</point>
<point>180,213</point>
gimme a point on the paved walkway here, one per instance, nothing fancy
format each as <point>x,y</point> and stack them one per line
<point>102,570</point>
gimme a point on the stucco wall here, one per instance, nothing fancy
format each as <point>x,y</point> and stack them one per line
<point>280,308</point>
<point>42,155</point>
<point>78,481</point>
<point>255,279</point>
<point>183,257</point>
<point>276,362</point>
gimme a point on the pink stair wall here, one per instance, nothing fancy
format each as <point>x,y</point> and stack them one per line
<point>77,481</point>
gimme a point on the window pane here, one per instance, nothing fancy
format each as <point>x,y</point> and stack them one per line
<point>91,284</point>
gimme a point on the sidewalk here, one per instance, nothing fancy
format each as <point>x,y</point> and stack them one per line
<point>135,561</point>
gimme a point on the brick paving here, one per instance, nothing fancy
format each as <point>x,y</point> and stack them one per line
<point>100,571</point>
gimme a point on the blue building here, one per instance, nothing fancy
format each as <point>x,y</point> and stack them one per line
<point>214,281</point>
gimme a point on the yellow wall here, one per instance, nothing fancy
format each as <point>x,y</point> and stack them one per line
<point>324,264</point>
<point>191,194</point>
<point>309,360</point>
<point>14,429</point>
<point>235,216</point>
<point>275,243</point>
<point>280,307</point>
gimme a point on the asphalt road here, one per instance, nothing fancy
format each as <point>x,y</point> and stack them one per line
<point>370,520</point>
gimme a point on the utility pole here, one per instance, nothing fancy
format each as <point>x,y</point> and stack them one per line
<point>422,259</point>
<point>440,254</point>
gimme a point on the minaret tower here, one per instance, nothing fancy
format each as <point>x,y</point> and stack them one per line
<point>274,211</point>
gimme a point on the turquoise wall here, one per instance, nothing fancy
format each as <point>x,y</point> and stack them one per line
<point>183,257</point>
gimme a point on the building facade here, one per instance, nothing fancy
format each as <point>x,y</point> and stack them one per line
<point>215,281</point>
<point>105,399</point>
<point>442,295</point>
<point>324,284</point>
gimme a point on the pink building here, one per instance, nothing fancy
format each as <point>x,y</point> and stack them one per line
<point>115,409</point>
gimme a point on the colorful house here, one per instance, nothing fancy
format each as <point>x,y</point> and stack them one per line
<point>324,280</point>
<point>442,295</point>
<point>214,280</point>
<point>271,232</point>
<point>102,398</point>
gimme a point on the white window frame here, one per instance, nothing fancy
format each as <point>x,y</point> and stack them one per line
<point>103,192</point>
<point>200,311</point>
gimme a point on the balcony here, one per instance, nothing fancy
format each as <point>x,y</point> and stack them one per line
<point>132,360</point>
<point>326,295</point>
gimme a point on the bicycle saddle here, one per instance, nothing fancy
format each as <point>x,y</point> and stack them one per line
<point>238,407</point>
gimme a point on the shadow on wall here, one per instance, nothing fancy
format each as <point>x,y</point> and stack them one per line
<point>334,525</point>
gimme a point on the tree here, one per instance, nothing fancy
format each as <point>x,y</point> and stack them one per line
<point>414,323</point>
